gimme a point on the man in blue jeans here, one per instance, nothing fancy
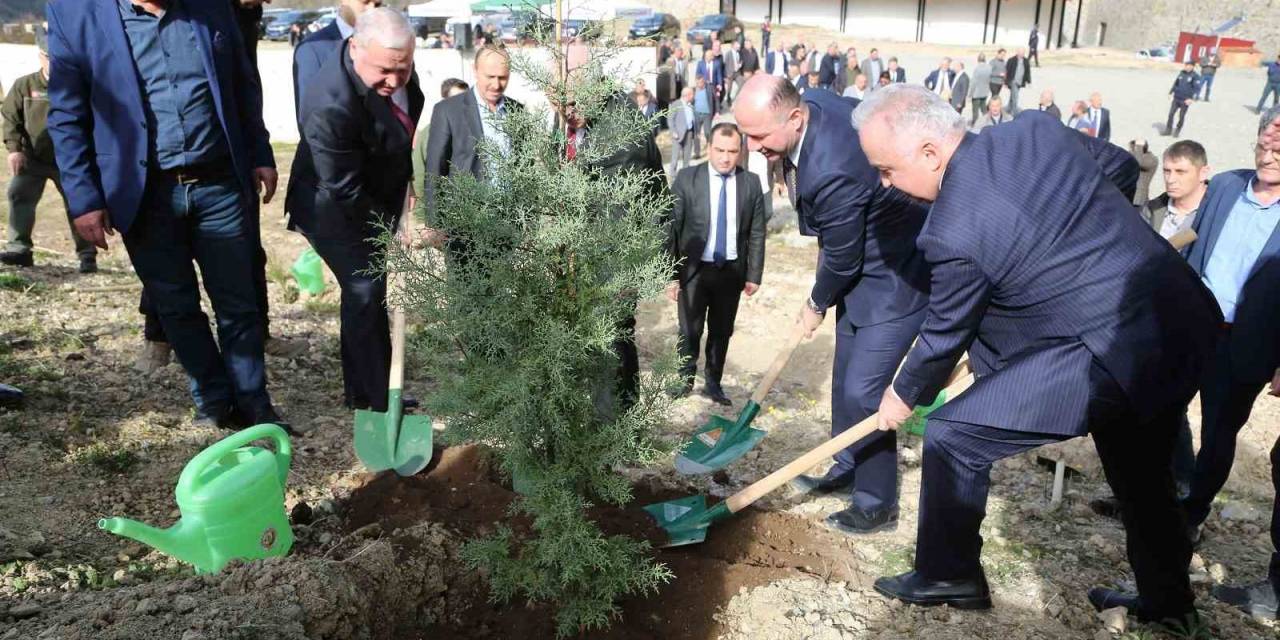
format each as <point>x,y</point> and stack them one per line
<point>1273,84</point>
<point>156,119</point>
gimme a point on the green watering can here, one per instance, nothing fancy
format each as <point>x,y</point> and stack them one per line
<point>308,272</point>
<point>232,501</point>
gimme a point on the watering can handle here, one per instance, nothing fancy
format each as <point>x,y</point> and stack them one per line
<point>203,460</point>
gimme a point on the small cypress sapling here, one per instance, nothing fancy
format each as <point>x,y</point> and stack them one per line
<point>518,322</point>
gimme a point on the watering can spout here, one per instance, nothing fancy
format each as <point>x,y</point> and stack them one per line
<point>169,540</point>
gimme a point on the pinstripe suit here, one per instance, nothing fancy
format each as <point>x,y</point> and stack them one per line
<point>871,271</point>
<point>1078,319</point>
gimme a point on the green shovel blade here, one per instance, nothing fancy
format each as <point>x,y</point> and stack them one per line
<point>390,440</point>
<point>720,442</point>
<point>916,423</point>
<point>686,520</point>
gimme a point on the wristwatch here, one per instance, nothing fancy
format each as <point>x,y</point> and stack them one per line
<point>813,306</point>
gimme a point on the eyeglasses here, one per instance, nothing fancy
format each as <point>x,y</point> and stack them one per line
<point>1261,153</point>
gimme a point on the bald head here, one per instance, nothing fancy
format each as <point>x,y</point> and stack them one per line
<point>771,115</point>
<point>767,94</point>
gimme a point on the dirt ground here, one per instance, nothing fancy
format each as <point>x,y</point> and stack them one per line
<point>376,557</point>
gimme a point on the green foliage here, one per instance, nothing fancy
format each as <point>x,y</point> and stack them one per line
<point>518,321</point>
<point>13,282</point>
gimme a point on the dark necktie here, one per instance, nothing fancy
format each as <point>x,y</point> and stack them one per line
<point>400,115</point>
<point>789,175</point>
<point>722,223</point>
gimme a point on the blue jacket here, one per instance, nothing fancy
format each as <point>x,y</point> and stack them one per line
<point>1273,72</point>
<point>310,55</point>
<point>866,232</point>
<point>96,119</point>
<point>1255,333</point>
<point>1050,280</point>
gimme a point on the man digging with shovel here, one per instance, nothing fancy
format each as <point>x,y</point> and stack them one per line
<point>868,268</point>
<point>1077,318</point>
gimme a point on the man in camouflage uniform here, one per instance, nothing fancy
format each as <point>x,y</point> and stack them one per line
<point>31,163</point>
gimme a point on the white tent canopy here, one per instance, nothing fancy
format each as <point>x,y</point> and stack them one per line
<point>460,9</point>
<point>600,9</point>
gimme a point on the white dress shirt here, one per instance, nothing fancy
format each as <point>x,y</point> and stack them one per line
<point>731,215</point>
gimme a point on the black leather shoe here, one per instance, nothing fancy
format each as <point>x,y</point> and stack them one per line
<point>1106,507</point>
<point>15,259</point>
<point>216,418</point>
<point>269,416</point>
<point>835,480</point>
<point>858,522</point>
<point>911,588</point>
<point>409,402</point>
<point>10,397</point>
<point>88,265</point>
<point>716,394</point>
<point>1258,600</point>
<point>1103,598</point>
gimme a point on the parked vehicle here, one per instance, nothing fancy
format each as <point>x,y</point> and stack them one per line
<point>655,26</point>
<point>325,19</point>
<point>279,28</point>
<point>717,26</point>
<point>1162,52</point>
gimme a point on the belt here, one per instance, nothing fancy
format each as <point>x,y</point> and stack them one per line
<point>196,173</point>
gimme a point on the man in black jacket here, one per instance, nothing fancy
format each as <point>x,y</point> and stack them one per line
<point>717,236</point>
<point>1184,90</point>
<point>349,182</point>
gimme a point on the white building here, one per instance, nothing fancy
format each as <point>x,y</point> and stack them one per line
<point>967,22</point>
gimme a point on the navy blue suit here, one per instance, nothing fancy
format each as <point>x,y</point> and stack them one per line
<point>100,133</point>
<point>1247,355</point>
<point>311,54</point>
<point>869,268</point>
<point>1078,319</point>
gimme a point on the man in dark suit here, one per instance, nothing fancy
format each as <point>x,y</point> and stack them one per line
<point>457,127</point>
<point>940,80</point>
<point>897,75</point>
<point>349,181</point>
<point>1100,115</point>
<point>868,269</point>
<point>156,120</point>
<point>318,47</point>
<point>716,236</point>
<point>641,157</point>
<point>1238,257</point>
<point>959,86</point>
<point>1048,106</point>
<point>1077,318</point>
<point>828,68</point>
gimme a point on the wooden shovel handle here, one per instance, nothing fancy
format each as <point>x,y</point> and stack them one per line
<point>1183,238</point>
<point>767,484</point>
<point>779,363</point>
<point>396,379</point>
